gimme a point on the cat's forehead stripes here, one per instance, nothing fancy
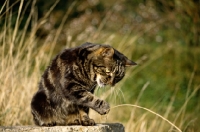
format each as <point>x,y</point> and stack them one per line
<point>97,47</point>
<point>104,50</point>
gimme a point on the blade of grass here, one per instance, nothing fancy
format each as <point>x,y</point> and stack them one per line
<point>137,106</point>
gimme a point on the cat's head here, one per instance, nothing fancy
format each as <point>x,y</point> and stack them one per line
<point>108,64</point>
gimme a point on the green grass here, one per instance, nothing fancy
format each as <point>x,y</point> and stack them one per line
<point>165,82</point>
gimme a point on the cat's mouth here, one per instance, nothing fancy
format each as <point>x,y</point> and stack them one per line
<point>99,82</point>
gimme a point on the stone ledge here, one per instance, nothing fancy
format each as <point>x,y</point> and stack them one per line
<point>107,127</point>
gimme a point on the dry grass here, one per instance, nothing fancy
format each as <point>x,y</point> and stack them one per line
<point>23,61</point>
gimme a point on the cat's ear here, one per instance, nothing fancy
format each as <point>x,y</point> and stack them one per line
<point>107,52</point>
<point>129,62</point>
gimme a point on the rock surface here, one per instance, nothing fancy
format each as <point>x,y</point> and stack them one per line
<point>107,127</point>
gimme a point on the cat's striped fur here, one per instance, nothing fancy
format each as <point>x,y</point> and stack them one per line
<point>66,88</point>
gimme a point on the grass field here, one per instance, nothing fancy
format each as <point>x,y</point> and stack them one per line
<point>161,93</point>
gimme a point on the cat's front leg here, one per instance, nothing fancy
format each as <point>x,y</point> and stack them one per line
<point>85,98</point>
<point>85,120</point>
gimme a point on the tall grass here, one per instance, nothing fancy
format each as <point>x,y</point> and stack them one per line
<point>21,62</point>
<point>160,94</point>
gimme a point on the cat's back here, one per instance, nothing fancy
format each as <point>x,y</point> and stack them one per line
<point>61,64</point>
<point>68,55</point>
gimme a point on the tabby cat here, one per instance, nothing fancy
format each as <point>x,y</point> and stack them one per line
<point>66,88</point>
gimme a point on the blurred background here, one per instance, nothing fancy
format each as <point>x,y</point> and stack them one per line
<point>163,37</point>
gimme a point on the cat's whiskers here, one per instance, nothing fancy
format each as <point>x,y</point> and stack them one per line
<point>113,92</point>
<point>122,94</point>
<point>117,93</point>
<point>120,91</point>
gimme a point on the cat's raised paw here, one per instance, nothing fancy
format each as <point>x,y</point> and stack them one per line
<point>104,108</point>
